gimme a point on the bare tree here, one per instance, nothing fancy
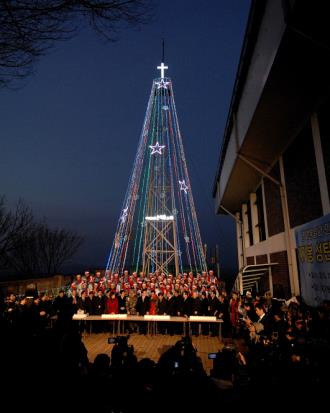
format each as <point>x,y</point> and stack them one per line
<point>28,28</point>
<point>33,248</point>
<point>14,226</point>
<point>43,251</point>
<point>24,256</point>
<point>56,247</point>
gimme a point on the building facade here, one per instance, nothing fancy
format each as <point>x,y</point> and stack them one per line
<point>274,168</point>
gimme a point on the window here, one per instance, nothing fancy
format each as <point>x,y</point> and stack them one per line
<point>248,212</point>
<point>261,217</point>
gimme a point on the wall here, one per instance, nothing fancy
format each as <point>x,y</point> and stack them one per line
<point>274,211</point>
<point>42,284</point>
<point>280,275</point>
<point>323,117</point>
<point>302,185</point>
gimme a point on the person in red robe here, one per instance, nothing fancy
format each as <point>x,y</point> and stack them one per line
<point>111,305</point>
<point>153,303</point>
<point>233,312</point>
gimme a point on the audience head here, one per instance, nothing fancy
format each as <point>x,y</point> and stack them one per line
<point>259,309</point>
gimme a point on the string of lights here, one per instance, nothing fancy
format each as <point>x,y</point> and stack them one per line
<point>157,229</point>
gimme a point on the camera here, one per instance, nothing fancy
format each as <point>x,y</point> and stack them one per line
<point>119,340</point>
<point>184,347</point>
<point>224,363</point>
<point>122,354</point>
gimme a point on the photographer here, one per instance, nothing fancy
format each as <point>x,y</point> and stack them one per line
<point>262,325</point>
<point>181,359</point>
<point>122,354</point>
<point>224,368</point>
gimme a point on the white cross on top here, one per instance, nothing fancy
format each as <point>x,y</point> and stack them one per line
<point>162,69</point>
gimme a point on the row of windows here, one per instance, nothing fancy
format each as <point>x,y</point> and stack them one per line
<point>261,218</point>
<point>302,183</point>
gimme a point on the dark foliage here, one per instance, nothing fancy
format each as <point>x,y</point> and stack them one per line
<point>28,28</point>
<point>32,248</point>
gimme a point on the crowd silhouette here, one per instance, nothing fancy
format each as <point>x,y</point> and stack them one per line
<point>279,350</point>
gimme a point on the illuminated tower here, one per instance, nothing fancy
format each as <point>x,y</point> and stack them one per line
<point>157,228</point>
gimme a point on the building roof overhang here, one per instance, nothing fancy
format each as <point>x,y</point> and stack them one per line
<point>297,82</point>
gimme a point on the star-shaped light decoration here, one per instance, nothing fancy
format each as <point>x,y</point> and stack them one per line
<point>162,84</point>
<point>165,107</point>
<point>156,148</point>
<point>124,215</point>
<point>183,186</point>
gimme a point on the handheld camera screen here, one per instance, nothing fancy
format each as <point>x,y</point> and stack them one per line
<point>212,356</point>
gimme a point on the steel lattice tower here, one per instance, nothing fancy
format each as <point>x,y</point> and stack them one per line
<point>158,229</point>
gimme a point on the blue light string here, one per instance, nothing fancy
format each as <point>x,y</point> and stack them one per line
<point>153,130</point>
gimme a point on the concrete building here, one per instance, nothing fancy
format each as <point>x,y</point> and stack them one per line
<point>274,167</point>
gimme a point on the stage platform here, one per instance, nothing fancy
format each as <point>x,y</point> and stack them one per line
<point>153,346</point>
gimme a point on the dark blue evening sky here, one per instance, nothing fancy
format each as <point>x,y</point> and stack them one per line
<point>69,136</point>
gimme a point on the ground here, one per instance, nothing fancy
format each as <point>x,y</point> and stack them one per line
<point>152,346</point>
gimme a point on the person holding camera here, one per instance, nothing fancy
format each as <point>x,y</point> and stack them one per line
<point>122,354</point>
<point>261,327</point>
